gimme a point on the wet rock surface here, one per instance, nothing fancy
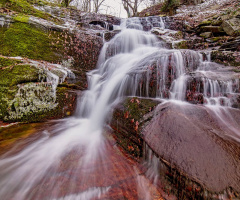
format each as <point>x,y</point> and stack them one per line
<point>197,155</point>
<point>192,140</point>
<point>112,176</point>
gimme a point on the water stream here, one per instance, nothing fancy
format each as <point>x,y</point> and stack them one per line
<point>68,161</point>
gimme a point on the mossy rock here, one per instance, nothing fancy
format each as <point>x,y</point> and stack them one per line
<point>18,74</point>
<point>21,18</point>
<point>26,7</point>
<point>170,6</point>
<point>205,23</point>
<point>181,45</point>
<point>10,77</point>
<point>137,107</point>
<point>6,94</point>
<point>217,23</point>
<point>65,105</point>
<point>34,108</point>
<point>206,34</point>
<point>21,39</point>
<point>5,62</point>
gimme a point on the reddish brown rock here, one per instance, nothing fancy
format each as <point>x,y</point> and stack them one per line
<point>197,143</point>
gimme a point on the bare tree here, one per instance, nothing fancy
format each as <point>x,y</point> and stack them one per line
<point>83,5</point>
<point>97,4</point>
<point>86,5</point>
<point>131,7</point>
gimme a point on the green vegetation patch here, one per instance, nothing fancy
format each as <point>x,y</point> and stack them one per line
<point>181,45</point>
<point>26,7</point>
<point>18,74</point>
<point>137,107</point>
<point>6,94</point>
<point>5,62</point>
<point>66,103</point>
<point>65,106</point>
<point>205,23</point>
<point>21,18</point>
<point>21,39</point>
<point>9,78</point>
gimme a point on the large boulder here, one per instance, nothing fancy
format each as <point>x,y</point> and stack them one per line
<point>196,142</point>
<point>232,26</point>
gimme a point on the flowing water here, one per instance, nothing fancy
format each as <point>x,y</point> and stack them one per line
<point>69,160</point>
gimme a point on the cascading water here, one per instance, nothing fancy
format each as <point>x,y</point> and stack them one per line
<point>133,63</point>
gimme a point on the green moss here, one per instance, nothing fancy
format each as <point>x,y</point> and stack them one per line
<point>205,23</point>
<point>18,74</point>
<point>217,23</point>
<point>5,62</point>
<point>25,7</point>
<point>21,18</point>
<point>127,124</point>
<point>21,39</point>
<point>236,70</point>
<point>181,45</point>
<point>6,95</point>
<point>137,108</point>
<point>32,102</point>
<point>66,104</point>
<point>9,78</point>
<point>215,39</point>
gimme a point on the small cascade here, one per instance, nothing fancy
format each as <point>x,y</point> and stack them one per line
<point>219,85</point>
<point>179,86</point>
<point>219,92</point>
<point>152,163</point>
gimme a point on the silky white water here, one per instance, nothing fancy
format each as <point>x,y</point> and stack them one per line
<point>133,63</point>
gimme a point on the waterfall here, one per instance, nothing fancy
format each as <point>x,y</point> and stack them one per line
<point>131,64</point>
